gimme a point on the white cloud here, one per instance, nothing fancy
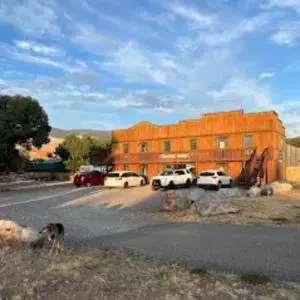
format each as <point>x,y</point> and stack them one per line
<point>227,32</point>
<point>191,14</point>
<point>241,92</point>
<point>92,40</point>
<point>288,34</point>
<point>265,75</point>
<point>34,17</point>
<point>81,63</point>
<point>294,4</point>
<point>40,48</point>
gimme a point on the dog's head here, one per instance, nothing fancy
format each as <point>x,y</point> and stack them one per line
<point>47,228</point>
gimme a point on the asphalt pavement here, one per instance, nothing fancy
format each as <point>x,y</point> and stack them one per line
<point>242,249</point>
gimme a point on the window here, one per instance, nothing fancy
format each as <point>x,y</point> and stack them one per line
<point>193,144</point>
<point>143,147</point>
<point>222,142</point>
<point>143,169</point>
<point>223,168</point>
<point>167,146</point>
<point>125,148</point>
<point>166,173</point>
<point>125,168</point>
<point>248,141</point>
<point>179,172</point>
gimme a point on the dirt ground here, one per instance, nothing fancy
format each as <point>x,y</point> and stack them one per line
<point>282,209</point>
<point>82,274</point>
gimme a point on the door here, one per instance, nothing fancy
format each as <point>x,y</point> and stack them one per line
<point>135,179</point>
<point>179,177</point>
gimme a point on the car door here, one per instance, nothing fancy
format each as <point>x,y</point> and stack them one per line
<point>179,177</point>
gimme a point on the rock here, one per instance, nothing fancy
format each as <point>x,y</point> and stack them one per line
<point>213,209</point>
<point>196,194</point>
<point>281,187</point>
<point>254,191</point>
<point>267,190</point>
<point>174,200</point>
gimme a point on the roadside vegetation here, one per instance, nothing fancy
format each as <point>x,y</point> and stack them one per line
<point>83,274</point>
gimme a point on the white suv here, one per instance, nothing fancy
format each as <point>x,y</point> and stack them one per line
<point>171,178</point>
<point>123,179</point>
<point>215,178</point>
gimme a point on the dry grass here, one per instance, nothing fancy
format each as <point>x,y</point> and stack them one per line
<point>281,209</point>
<point>81,274</point>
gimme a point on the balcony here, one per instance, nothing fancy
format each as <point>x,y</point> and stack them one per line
<point>217,155</point>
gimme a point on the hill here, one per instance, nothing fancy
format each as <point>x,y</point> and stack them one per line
<point>294,141</point>
<point>62,133</point>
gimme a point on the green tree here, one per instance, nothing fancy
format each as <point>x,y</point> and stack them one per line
<point>22,122</point>
<point>294,141</point>
<point>76,151</point>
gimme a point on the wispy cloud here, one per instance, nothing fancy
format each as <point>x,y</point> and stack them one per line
<point>288,34</point>
<point>34,17</point>
<point>40,48</point>
<point>294,4</point>
<point>191,14</point>
<point>265,75</point>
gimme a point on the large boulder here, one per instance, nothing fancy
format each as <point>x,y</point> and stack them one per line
<point>281,187</point>
<point>175,200</point>
<point>254,191</point>
<point>12,233</point>
<point>267,190</point>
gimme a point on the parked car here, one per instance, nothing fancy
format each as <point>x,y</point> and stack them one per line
<point>123,179</point>
<point>172,178</point>
<point>214,178</point>
<point>89,178</point>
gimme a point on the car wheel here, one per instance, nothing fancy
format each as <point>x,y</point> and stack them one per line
<point>171,185</point>
<point>142,182</point>
<point>230,183</point>
<point>188,183</point>
<point>126,185</point>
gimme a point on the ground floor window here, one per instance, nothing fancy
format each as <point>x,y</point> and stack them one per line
<point>143,170</point>
<point>125,167</point>
<point>223,167</point>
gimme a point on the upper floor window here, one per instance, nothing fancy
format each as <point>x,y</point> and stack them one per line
<point>248,141</point>
<point>125,148</point>
<point>143,147</point>
<point>167,146</point>
<point>222,142</point>
<point>193,144</point>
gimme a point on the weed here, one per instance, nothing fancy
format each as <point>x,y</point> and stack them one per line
<point>255,279</point>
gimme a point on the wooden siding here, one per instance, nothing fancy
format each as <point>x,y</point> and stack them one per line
<point>266,129</point>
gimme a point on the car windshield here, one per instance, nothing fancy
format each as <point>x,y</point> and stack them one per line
<point>207,174</point>
<point>166,173</point>
<point>113,175</point>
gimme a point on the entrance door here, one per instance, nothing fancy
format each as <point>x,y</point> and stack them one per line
<point>144,170</point>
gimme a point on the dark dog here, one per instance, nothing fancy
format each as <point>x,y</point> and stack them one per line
<point>56,234</point>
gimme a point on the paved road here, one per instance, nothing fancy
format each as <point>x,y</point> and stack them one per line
<point>246,249</point>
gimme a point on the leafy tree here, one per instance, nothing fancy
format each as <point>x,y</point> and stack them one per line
<point>76,151</point>
<point>22,122</point>
<point>294,141</point>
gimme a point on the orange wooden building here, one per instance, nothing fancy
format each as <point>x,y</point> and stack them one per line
<point>215,140</point>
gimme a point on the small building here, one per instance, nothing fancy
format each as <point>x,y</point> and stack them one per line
<point>215,140</point>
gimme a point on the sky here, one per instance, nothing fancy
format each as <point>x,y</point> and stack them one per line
<point>108,64</point>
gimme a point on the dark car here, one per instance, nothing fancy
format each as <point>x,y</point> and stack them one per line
<point>89,178</point>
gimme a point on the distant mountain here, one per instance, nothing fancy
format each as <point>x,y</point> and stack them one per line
<point>294,141</point>
<point>62,133</point>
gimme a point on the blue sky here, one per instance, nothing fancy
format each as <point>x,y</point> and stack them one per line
<point>107,64</point>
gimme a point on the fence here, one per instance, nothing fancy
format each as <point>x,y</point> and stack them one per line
<point>292,163</point>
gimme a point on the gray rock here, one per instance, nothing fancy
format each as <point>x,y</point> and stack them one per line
<point>267,190</point>
<point>213,209</point>
<point>281,187</point>
<point>254,191</point>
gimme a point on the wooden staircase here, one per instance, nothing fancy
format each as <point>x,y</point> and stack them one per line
<point>255,169</point>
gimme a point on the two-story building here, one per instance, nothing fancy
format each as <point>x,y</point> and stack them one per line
<point>215,140</point>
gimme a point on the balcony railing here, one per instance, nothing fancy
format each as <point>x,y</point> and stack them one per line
<point>218,155</point>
